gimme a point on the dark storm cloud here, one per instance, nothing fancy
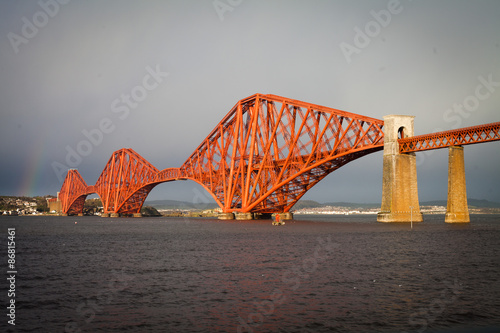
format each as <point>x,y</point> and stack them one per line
<point>61,83</point>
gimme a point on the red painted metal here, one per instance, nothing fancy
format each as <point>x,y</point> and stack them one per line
<point>264,155</point>
<point>73,193</point>
<point>269,151</point>
<point>125,182</point>
<point>456,137</point>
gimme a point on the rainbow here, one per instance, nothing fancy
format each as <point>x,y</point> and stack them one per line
<point>33,169</point>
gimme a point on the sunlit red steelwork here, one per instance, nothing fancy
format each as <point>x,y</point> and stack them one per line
<point>264,155</point>
<point>456,137</point>
<point>269,151</point>
<point>73,193</point>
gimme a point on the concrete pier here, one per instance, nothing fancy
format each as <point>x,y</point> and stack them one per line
<point>137,215</point>
<point>399,184</point>
<point>114,215</point>
<point>457,210</point>
<point>286,216</point>
<point>226,216</point>
<point>244,216</point>
<point>253,216</point>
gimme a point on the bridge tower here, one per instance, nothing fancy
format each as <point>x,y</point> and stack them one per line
<point>399,184</point>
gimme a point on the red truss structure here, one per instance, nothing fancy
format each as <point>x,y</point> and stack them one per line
<point>268,151</point>
<point>457,137</point>
<point>73,193</point>
<point>125,182</point>
<point>264,155</point>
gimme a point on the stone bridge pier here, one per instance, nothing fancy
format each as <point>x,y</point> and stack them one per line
<point>399,185</point>
<point>457,210</point>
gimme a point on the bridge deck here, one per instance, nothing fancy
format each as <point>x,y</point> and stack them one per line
<point>456,137</point>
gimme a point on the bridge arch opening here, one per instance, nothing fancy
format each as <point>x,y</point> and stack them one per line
<point>402,133</point>
<point>184,191</point>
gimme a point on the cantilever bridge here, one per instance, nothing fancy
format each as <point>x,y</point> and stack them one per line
<point>262,157</point>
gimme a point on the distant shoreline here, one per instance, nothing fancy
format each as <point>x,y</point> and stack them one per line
<point>26,206</point>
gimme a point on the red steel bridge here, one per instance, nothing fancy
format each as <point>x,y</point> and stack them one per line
<point>262,157</point>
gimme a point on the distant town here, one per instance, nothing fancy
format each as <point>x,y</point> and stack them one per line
<point>11,205</point>
<point>29,206</point>
<point>352,209</point>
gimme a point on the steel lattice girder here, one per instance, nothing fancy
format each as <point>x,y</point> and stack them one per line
<point>124,182</point>
<point>73,193</point>
<point>264,155</point>
<point>122,186</point>
<point>269,150</point>
<point>456,137</point>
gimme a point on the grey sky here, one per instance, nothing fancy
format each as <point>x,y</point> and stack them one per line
<point>70,73</point>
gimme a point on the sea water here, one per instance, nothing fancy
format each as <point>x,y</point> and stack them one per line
<point>315,274</point>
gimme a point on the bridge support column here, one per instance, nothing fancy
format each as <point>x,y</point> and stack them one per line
<point>105,215</point>
<point>286,216</point>
<point>226,216</point>
<point>399,183</point>
<point>244,216</point>
<point>114,215</point>
<point>457,210</point>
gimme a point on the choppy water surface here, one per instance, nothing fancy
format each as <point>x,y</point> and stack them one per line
<point>328,274</point>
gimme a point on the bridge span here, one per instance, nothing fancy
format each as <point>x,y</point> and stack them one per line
<point>263,156</point>
<point>399,186</point>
